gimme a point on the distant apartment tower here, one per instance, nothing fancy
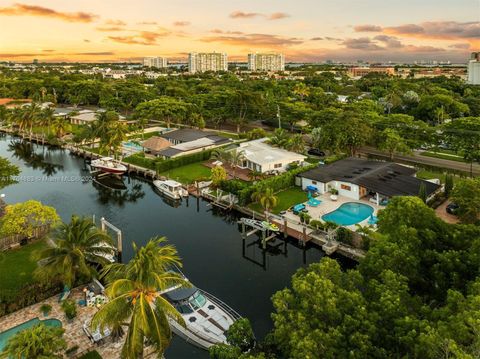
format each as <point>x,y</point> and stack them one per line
<point>157,62</point>
<point>473,76</point>
<point>207,61</point>
<point>266,62</point>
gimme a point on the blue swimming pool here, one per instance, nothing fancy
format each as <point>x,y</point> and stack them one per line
<point>6,335</point>
<point>349,213</point>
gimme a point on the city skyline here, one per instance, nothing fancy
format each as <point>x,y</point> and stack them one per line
<point>304,30</point>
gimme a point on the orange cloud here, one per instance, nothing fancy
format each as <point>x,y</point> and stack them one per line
<point>110,29</point>
<point>248,15</point>
<point>32,10</point>
<point>181,23</point>
<point>254,40</point>
<point>115,23</point>
<point>367,28</point>
<point>244,15</point>
<point>142,38</point>
<point>441,30</point>
<point>277,16</point>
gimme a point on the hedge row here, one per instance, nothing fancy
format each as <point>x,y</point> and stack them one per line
<point>277,183</point>
<point>166,165</point>
<point>139,159</point>
<point>161,165</point>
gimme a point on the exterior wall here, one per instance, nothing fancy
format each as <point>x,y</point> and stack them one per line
<point>201,62</point>
<point>474,72</point>
<point>354,192</point>
<point>157,62</point>
<point>269,166</point>
<point>322,187</point>
<point>266,62</point>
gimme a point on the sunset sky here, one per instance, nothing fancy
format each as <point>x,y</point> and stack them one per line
<point>305,30</point>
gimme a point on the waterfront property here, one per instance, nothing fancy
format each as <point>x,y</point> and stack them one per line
<point>375,181</point>
<point>262,157</point>
<point>186,141</point>
<point>74,333</point>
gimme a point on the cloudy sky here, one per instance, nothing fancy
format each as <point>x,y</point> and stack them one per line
<point>305,30</point>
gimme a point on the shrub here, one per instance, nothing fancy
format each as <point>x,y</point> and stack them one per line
<point>70,308</point>
<point>139,159</point>
<point>45,308</point>
<point>233,186</point>
<point>344,235</point>
<point>166,165</point>
<point>29,294</point>
<point>91,355</point>
<point>277,183</point>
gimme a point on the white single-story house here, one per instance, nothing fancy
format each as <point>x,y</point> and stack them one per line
<point>359,178</point>
<point>262,157</point>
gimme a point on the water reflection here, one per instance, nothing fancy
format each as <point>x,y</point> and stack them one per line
<point>25,151</point>
<point>112,189</point>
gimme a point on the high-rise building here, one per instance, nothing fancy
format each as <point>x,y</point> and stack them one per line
<point>207,61</point>
<point>266,62</point>
<point>473,76</point>
<point>157,62</point>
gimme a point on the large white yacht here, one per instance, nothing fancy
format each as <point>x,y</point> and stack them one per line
<point>170,188</point>
<point>207,318</point>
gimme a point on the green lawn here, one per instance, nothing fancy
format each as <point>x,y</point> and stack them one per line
<point>189,173</point>
<point>443,156</point>
<point>17,266</point>
<point>286,199</point>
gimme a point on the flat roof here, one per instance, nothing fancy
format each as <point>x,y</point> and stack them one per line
<point>186,134</point>
<point>387,178</point>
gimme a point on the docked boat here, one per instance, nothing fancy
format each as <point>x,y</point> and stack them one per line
<point>270,226</point>
<point>170,188</point>
<point>206,318</point>
<point>108,165</point>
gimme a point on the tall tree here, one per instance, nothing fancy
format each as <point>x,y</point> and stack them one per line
<point>78,247</point>
<point>134,290</point>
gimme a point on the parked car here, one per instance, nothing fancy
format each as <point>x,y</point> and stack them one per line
<point>316,152</point>
<point>452,208</point>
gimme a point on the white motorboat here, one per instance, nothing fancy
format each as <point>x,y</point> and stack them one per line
<point>108,165</point>
<point>170,188</point>
<point>206,318</point>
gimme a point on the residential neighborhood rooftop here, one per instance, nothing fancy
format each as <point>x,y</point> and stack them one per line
<point>387,178</point>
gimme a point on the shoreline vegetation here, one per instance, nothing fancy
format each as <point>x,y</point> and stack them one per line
<point>426,267</point>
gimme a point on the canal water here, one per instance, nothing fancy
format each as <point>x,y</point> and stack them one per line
<point>208,240</point>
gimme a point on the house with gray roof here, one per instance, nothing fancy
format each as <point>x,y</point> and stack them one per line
<point>357,178</point>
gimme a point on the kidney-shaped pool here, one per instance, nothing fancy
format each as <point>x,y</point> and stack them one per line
<point>349,213</point>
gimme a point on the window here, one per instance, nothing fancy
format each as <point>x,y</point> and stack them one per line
<point>277,165</point>
<point>314,182</point>
<point>345,187</point>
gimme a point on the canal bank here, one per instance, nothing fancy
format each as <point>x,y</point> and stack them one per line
<point>209,240</point>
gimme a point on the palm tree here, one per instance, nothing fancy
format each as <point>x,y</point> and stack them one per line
<point>266,198</point>
<point>253,175</point>
<point>39,341</point>
<point>236,158</point>
<point>135,301</point>
<point>79,245</point>
<point>60,125</point>
<point>222,155</point>
<point>280,138</point>
<point>296,143</point>
<point>301,90</point>
<point>46,118</point>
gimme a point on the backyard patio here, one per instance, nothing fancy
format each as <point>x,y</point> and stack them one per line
<point>74,334</point>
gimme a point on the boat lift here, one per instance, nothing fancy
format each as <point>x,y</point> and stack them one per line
<point>257,226</point>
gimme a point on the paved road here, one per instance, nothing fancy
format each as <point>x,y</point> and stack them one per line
<point>438,162</point>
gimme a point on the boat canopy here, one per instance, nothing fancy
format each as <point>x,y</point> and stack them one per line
<point>172,183</point>
<point>180,294</point>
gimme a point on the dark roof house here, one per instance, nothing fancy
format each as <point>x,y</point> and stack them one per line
<point>386,178</point>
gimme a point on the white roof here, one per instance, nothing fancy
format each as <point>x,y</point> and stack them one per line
<point>259,152</point>
<point>191,145</point>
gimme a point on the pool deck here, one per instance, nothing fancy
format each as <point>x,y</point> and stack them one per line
<point>328,206</point>
<point>74,334</point>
